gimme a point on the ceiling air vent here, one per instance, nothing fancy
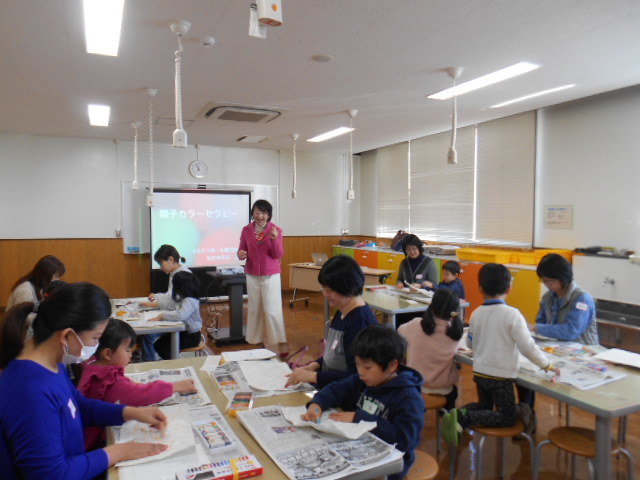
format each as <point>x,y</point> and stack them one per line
<point>241,114</point>
<point>251,139</point>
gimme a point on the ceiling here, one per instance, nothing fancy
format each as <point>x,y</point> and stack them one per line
<point>388,55</point>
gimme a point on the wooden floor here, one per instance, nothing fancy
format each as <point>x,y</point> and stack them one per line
<point>305,327</point>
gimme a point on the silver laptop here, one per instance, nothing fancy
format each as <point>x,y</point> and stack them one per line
<point>319,258</point>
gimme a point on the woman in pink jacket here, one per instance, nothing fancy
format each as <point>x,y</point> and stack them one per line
<point>261,247</point>
<point>104,379</point>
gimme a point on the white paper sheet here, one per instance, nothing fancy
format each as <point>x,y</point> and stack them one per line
<point>254,354</point>
<point>211,363</point>
<point>178,435</point>
<point>623,357</point>
<point>144,320</point>
<point>342,429</point>
<point>268,375</point>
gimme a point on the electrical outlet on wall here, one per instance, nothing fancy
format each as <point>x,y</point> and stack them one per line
<point>351,195</point>
<point>345,231</point>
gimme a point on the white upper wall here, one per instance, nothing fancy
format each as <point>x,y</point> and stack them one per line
<point>70,188</point>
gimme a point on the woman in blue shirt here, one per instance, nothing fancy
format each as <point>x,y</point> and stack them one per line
<point>41,414</point>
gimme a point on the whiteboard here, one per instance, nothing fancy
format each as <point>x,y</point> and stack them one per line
<point>135,217</point>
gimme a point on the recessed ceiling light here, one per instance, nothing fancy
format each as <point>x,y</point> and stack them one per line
<point>330,134</point>
<point>102,24</point>
<point>533,95</point>
<point>485,80</point>
<point>99,115</point>
<point>322,58</point>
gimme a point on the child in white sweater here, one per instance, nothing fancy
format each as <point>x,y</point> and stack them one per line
<point>496,334</point>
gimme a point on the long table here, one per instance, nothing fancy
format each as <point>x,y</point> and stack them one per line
<point>271,470</point>
<point>160,329</point>
<point>304,276</point>
<point>607,402</point>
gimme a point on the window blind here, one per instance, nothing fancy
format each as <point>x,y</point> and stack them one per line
<point>392,166</point>
<point>441,203</point>
<point>505,180</point>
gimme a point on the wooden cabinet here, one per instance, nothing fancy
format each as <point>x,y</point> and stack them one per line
<point>338,250</point>
<point>390,261</point>
<point>525,292</point>
<point>469,277</point>
<point>366,258</point>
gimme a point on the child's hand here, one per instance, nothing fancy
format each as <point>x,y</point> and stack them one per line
<point>399,285</point>
<point>301,374</point>
<point>156,319</point>
<point>314,412</point>
<point>148,304</point>
<point>149,415</point>
<point>427,284</point>
<point>242,254</point>
<point>343,416</point>
<point>274,233</point>
<point>185,386</point>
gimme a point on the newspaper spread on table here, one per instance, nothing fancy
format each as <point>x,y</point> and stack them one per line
<point>230,379</point>
<point>578,366</point>
<point>211,440</point>
<point>303,453</point>
<point>174,375</point>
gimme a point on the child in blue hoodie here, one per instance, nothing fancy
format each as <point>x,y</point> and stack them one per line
<point>383,391</point>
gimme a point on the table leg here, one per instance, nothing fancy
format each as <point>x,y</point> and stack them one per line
<point>175,345</point>
<point>603,447</point>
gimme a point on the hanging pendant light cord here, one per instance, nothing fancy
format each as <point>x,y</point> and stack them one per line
<point>295,166</point>
<point>134,184</point>
<point>454,118</point>
<point>150,145</point>
<point>351,153</point>
<point>179,84</point>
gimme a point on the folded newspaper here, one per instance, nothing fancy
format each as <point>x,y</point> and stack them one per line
<point>325,424</point>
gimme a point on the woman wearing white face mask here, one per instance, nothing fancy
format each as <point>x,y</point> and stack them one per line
<point>41,414</point>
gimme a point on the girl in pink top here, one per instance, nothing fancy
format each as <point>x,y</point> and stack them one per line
<point>432,343</point>
<point>104,379</point>
<point>261,247</point>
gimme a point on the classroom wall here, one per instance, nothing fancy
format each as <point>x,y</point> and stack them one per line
<point>588,157</point>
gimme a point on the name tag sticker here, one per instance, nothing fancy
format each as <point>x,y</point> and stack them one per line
<point>369,407</point>
<point>419,276</point>
<point>334,344</point>
<point>582,306</point>
<point>72,408</point>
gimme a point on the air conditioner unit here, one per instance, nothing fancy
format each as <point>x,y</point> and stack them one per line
<point>241,114</point>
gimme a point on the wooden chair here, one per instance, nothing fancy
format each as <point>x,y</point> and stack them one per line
<point>435,403</point>
<point>578,441</point>
<point>502,433</point>
<point>424,468</point>
<point>199,350</point>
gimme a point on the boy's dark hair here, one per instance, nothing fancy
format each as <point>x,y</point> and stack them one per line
<point>185,284</point>
<point>114,334</point>
<point>495,279</point>
<point>445,305</point>
<point>342,275</point>
<point>263,206</point>
<point>52,287</point>
<point>557,267</point>
<point>168,251</point>
<point>380,344</point>
<point>452,266</point>
<point>411,239</point>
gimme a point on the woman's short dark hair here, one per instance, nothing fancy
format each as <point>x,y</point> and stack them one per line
<point>452,266</point>
<point>114,334</point>
<point>185,284</point>
<point>411,239</point>
<point>445,305</point>
<point>80,306</point>
<point>380,344</point>
<point>495,279</point>
<point>168,251</point>
<point>42,273</point>
<point>557,267</point>
<point>263,206</point>
<point>342,275</point>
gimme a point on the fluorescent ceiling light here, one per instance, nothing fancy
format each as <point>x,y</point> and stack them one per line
<point>533,95</point>
<point>331,134</point>
<point>102,24</point>
<point>485,80</point>
<point>99,115</point>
